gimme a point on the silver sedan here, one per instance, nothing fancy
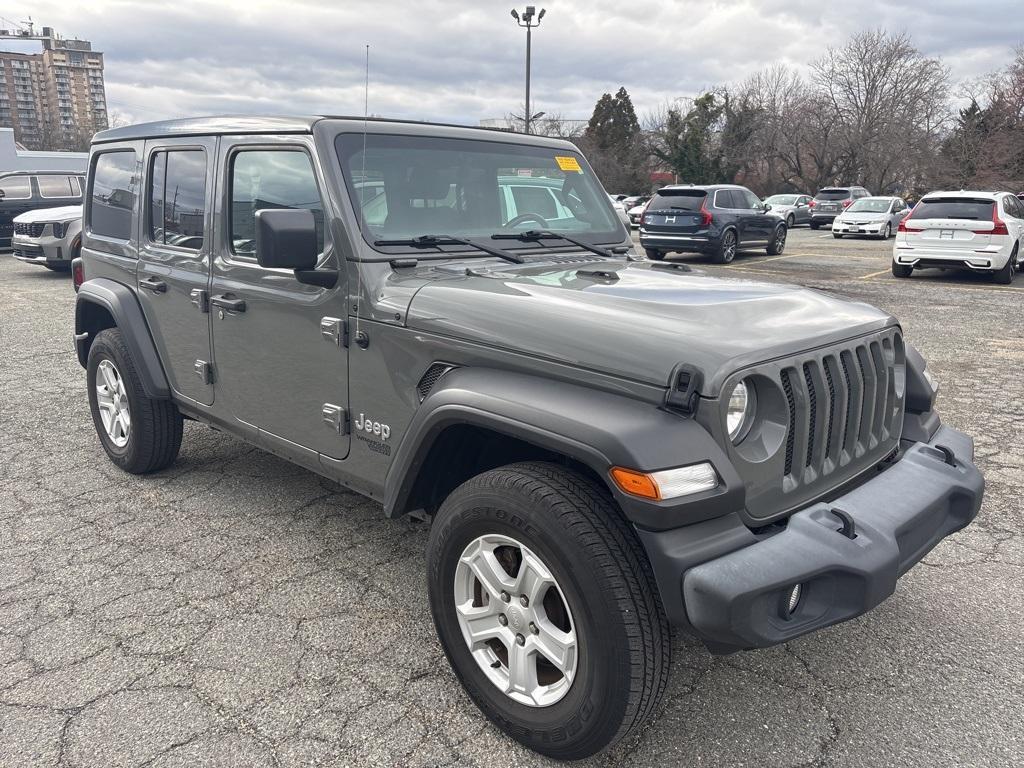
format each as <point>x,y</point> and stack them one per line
<point>874,216</point>
<point>795,209</point>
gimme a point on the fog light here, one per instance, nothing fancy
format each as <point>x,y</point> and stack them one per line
<point>793,599</point>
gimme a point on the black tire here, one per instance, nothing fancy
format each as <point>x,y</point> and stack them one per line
<point>655,254</point>
<point>813,224</point>
<point>837,236</point>
<point>156,425</point>
<point>58,266</point>
<point>1004,276</point>
<point>886,233</point>
<point>901,270</point>
<point>778,243</point>
<point>790,222</point>
<point>727,247</point>
<point>623,637</point>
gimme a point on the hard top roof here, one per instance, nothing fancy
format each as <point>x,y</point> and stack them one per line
<point>42,173</point>
<point>277,124</point>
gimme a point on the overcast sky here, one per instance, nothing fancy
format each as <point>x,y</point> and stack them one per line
<point>462,61</point>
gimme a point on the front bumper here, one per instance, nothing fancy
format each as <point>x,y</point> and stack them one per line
<point>736,597</point>
<point>851,228</point>
<point>38,250</point>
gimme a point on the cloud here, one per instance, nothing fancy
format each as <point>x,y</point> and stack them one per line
<point>459,62</point>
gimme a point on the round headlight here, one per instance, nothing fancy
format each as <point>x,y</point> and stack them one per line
<point>740,413</point>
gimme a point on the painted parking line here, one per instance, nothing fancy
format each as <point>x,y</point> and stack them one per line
<point>954,286</point>
<point>876,274</point>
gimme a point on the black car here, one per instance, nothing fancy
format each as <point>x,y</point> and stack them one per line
<point>22,191</point>
<point>717,220</point>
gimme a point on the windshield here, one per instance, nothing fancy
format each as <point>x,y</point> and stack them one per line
<point>782,200</point>
<point>832,194</point>
<point>409,186</point>
<point>954,208</point>
<point>867,205</point>
<point>678,199</point>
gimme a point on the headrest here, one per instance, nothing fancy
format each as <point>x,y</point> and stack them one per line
<point>428,183</point>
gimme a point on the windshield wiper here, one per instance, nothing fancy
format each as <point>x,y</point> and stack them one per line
<point>433,241</point>
<point>536,235</point>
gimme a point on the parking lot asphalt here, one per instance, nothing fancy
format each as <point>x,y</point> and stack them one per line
<point>236,610</point>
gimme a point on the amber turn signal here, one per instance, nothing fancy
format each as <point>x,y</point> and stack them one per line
<point>635,483</point>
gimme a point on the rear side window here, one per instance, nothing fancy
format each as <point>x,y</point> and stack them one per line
<point>833,194</point>
<point>114,188</point>
<point>270,178</point>
<point>680,200</point>
<point>978,209</point>
<point>15,188</point>
<point>55,186</point>
<point>177,198</point>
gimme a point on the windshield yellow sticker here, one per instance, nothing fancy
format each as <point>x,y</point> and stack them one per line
<point>568,163</point>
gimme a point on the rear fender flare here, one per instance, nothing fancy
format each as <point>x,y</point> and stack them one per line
<point>123,306</point>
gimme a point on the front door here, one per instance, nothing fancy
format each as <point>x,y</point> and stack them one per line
<point>760,224</point>
<point>277,368</point>
<point>175,236</point>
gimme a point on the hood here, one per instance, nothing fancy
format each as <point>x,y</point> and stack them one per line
<point>63,213</point>
<point>642,325</point>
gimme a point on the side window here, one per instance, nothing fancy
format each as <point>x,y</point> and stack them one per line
<point>15,188</point>
<point>270,178</point>
<point>55,186</point>
<point>723,199</point>
<point>177,198</point>
<point>114,188</point>
<point>538,200</point>
<point>750,200</point>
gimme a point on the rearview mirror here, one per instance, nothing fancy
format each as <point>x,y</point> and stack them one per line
<point>286,238</point>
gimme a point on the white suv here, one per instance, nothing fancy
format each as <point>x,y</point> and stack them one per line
<point>980,231</point>
<point>51,237</point>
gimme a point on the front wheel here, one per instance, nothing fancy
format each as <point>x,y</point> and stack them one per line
<point>789,221</point>
<point>140,434</point>
<point>547,610</point>
<point>813,224</point>
<point>887,232</point>
<point>837,236</point>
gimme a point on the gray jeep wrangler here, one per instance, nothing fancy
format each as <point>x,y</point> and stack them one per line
<point>453,322</point>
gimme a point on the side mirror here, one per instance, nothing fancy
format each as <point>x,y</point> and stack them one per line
<point>767,207</point>
<point>286,239</point>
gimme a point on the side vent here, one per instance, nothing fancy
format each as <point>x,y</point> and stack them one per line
<point>431,377</point>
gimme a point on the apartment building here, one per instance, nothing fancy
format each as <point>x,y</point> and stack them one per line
<point>54,99</point>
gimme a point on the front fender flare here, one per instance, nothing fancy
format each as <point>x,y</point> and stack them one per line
<point>123,306</point>
<point>598,429</point>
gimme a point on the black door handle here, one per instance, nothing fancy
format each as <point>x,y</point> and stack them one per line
<point>224,301</point>
<point>153,284</point>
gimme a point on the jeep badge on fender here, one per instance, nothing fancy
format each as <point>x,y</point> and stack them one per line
<point>605,448</point>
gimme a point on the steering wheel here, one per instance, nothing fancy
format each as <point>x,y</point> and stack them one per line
<point>525,217</point>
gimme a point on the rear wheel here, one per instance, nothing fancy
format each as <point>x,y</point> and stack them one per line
<point>778,243</point>
<point>837,236</point>
<point>546,608</point>
<point>813,225</point>
<point>655,254</point>
<point>726,248</point>
<point>1004,276</point>
<point>140,434</point>
<point>901,270</point>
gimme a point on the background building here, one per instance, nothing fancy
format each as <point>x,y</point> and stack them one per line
<point>54,99</point>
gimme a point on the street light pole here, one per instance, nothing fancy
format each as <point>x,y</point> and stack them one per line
<point>527,20</point>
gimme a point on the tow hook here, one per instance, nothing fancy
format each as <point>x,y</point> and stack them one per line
<point>947,455</point>
<point>849,529</point>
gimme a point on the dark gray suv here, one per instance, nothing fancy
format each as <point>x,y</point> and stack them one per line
<point>832,201</point>
<point>605,447</point>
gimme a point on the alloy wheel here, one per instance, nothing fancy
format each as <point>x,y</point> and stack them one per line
<point>515,620</point>
<point>112,401</point>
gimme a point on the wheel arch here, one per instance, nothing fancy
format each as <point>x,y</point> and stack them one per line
<point>477,419</point>
<point>102,303</point>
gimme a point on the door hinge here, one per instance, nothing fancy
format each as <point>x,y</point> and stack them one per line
<point>335,330</point>
<point>335,417</point>
<point>200,298</point>
<point>204,371</point>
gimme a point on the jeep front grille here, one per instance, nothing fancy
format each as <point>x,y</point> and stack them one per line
<point>842,408</point>
<point>30,230</point>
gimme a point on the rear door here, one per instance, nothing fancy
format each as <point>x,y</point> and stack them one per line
<point>675,211</point>
<point>276,368</point>
<point>174,260</point>
<point>951,223</point>
<point>57,190</point>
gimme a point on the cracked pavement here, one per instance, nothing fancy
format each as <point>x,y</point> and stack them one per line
<point>236,610</point>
